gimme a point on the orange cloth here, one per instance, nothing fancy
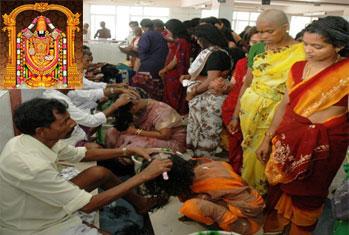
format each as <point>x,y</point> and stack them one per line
<point>223,198</point>
<point>285,213</point>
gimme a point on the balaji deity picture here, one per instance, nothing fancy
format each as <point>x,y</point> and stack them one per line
<point>41,54</point>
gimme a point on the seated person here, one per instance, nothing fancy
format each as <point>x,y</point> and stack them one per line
<point>213,194</point>
<point>35,199</point>
<point>146,123</point>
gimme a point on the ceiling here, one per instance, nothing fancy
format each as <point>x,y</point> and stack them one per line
<point>237,3</point>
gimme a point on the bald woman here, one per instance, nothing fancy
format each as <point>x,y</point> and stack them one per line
<point>263,89</point>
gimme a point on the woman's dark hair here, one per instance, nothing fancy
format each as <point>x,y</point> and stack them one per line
<point>110,73</point>
<point>177,28</point>
<point>147,23</point>
<point>180,176</point>
<point>158,23</point>
<point>249,33</point>
<point>36,113</point>
<point>133,23</point>
<point>123,117</point>
<point>209,34</point>
<point>209,20</point>
<point>226,23</point>
<point>334,30</point>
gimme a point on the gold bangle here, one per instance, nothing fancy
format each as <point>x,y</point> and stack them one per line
<point>139,131</point>
<point>124,151</point>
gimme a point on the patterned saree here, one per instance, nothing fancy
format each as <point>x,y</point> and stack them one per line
<point>258,104</point>
<point>306,156</point>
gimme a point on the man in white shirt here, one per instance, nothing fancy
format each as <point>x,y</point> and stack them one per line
<point>82,117</point>
<point>34,199</point>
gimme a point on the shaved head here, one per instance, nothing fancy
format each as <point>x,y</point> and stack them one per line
<point>274,16</point>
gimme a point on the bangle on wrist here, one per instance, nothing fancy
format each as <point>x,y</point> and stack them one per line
<point>236,118</point>
<point>112,90</point>
<point>139,131</point>
<point>124,151</point>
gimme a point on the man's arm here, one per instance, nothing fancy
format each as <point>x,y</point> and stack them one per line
<point>105,154</point>
<point>152,171</point>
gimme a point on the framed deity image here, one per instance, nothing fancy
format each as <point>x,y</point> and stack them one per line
<point>41,44</point>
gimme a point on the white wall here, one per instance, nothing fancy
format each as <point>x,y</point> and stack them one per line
<point>6,125</point>
<point>28,94</point>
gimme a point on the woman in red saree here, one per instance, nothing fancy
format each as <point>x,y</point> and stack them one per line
<point>310,129</point>
<point>177,64</point>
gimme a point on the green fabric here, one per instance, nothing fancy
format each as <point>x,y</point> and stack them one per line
<point>256,49</point>
<point>341,227</point>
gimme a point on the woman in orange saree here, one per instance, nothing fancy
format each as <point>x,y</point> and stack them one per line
<point>213,194</point>
<point>310,129</point>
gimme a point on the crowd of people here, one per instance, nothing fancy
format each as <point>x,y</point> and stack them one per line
<point>262,117</point>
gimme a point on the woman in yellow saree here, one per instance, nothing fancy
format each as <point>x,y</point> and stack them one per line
<point>256,107</point>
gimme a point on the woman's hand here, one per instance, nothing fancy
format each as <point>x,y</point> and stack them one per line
<point>162,72</point>
<point>219,86</point>
<point>233,125</point>
<point>131,130</point>
<point>263,151</point>
<point>190,95</point>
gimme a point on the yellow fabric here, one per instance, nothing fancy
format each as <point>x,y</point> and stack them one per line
<point>258,104</point>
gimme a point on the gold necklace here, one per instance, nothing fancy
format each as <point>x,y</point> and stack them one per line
<point>308,68</point>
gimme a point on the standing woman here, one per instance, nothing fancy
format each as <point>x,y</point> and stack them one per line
<point>256,107</point>
<point>310,129</point>
<point>152,52</point>
<point>177,64</point>
<point>204,120</point>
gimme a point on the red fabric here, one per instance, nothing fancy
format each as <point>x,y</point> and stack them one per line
<point>174,92</point>
<point>297,74</point>
<point>310,190</point>
<point>298,143</point>
<point>312,177</point>
<point>235,150</point>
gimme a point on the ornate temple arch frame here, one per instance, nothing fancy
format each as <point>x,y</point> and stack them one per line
<point>74,77</point>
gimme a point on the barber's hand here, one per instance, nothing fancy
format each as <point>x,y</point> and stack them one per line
<point>131,92</point>
<point>155,168</point>
<point>143,152</point>
<point>99,77</point>
<point>263,151</point>
<point>122,100</point>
